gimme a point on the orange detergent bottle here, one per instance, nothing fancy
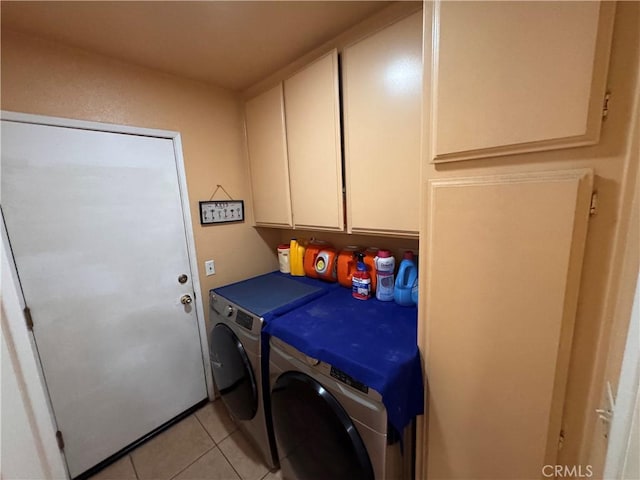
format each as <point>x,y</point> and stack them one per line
<point>325,264</point>
<point>309,263</point>
<point>370,255</point>
<point>347,263</point>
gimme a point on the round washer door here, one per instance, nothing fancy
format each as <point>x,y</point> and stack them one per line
<point>314,434</point>
<point>232,373</point>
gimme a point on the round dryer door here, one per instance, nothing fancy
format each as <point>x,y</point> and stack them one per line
<point>314,434</point>
<point>232,373</point>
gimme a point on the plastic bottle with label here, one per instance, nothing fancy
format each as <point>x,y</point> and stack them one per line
<point>293,246</point>
<point>283,258</point>
<point>385,266</point>
<point>361,280</point>
<point>302,246</point>
<point>405,281</point>
<point>296,258</point>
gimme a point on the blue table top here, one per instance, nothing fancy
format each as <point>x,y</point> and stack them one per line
<point>374,342</point>
<point>274,293</point>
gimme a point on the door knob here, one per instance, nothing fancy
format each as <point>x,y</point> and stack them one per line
<point>186,299</point>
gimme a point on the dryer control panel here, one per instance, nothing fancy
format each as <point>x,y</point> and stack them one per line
<point>352,382</point>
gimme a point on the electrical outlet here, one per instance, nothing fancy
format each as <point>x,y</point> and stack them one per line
<point>210,267</point>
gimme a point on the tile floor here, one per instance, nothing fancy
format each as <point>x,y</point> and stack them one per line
<point>203,446</point>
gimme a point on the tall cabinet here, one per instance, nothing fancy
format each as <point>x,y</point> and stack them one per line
<point>502,236</point>
<point>502,274</point>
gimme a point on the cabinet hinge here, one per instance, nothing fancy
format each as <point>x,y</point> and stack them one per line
<point>593,207</point>
<point>60,440</point>
<point>605,415</point>
<point>605,104</point>
<point>560,440</point>
<point>28,318</point>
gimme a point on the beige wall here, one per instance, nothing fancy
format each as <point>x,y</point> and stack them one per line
<point>46,78</point>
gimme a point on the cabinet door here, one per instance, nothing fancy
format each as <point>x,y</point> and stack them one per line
<point>267,143</point>
<point>313,137</point>
<point>504,258</point>
<point>382,81</point>
<point>514,77</point>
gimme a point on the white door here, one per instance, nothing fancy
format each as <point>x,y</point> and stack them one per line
<point>98,235</point>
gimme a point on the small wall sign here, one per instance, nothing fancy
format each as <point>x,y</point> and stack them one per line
<point>221,211</point>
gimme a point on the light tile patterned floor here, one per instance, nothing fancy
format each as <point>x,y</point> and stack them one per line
<point>203,446</point>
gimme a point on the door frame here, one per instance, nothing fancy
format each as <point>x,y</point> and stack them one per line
<point>25,343</point>
<point>626,415</point>
<point>26,364</point>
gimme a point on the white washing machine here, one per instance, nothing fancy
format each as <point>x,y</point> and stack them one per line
<point>238,315</point>
<point>328,425</point>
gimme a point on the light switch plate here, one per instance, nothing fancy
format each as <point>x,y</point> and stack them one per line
<point>210,267</point>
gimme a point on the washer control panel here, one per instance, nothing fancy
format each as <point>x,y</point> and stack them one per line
<point>226,312</point>
<point>244,320</point>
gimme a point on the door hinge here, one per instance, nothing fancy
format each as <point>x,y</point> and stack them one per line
<point>560,440</point>
<point>593,207</point>
<point>28,318</point>
<point>605,105</point>
<point>60,440</point>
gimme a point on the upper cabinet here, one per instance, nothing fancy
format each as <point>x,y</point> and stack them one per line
<point>267,145</point>
<point>513,77</point>
<point>382,91</point>
<point>295,144</point>
<point>312,109</point>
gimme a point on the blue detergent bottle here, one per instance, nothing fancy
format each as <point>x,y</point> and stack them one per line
<point>405,281</point>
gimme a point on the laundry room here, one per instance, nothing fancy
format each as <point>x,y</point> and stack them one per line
<point>326,239</point>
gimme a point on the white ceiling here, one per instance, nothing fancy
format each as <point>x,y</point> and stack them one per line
<point>231,44</point>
